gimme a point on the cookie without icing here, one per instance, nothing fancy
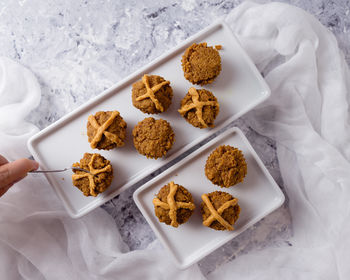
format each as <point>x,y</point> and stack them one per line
<point>201,64</point>
<point>226,166</point>
<point>153,138</point>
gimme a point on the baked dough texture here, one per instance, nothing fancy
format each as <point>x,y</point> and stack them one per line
<point>152,94</point>
<point>106,130</point>
<point>220,210</point>
<point>199,107</point>
<point>201,64</point>
<point>173,204</point>
<point>226,166</point>
<point>153,138</point>
<point>99,178</point>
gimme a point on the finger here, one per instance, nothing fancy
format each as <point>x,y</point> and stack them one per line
<point>16,170</point>
<point>5,189</point>
<point>3,160</point>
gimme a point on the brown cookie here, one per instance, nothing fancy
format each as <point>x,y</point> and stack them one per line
<point>199,107</point>
<point>152,94</point>
<point>201,64</point>
<point>106,130</point>
<point>99,178</point>
<point>226,166</point>
<point>219,210</point>
<point>173,204</point>
<point>153,138</point>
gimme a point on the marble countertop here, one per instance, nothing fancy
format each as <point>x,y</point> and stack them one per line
<point>79,48</point>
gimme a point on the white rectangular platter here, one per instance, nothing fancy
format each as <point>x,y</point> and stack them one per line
<point>258,195</point>
<point>238,88</point>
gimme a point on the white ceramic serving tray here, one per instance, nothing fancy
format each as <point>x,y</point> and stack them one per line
<point>238,88</point>
<point>258,195</point>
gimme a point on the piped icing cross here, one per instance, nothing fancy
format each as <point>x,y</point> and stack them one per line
<point>173,205</point>
<point>198,105</point>
<point>150,92</point>
<point>102,130</point>
<point>216,214</point>
<point>90,176</point>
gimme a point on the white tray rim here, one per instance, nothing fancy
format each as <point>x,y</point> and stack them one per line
<point>101,200</point>
<point>278,203</point>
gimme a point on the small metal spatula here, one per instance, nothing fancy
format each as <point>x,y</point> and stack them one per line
<point>59,170</point>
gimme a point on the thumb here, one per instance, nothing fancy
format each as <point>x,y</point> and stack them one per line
<point>12,172</point>
<point>3,160</point>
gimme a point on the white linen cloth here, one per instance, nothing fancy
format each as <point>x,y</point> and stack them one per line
<point>38,240</point>
<point>307,115</point>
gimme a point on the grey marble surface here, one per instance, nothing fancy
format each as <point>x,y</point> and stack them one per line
<point>79,48</point>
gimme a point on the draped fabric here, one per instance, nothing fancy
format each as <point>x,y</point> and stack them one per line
<point>308,117</point>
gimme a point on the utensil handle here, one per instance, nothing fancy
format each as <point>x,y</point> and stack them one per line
<point>48,171</point>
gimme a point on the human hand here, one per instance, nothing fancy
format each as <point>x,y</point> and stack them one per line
<point>12,172</point>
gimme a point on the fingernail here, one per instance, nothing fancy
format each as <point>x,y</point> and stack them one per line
<point>35,165</point>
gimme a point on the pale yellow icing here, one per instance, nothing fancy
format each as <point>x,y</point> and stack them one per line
<point>216,214</point>
<point>91,175</point>
<point>101,130</point>
<point>150,92</point>
<point>198,105</point>
<point>173,205</point>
